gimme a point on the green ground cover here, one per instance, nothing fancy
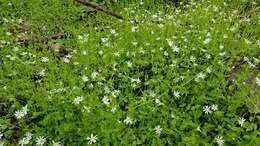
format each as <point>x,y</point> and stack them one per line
<point>182,73</point>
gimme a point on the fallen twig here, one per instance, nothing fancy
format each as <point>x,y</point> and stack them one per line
<point>99,8</point>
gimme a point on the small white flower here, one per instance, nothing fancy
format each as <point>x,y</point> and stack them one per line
<point>207,40</point>
<point>117,54</point>
<point>241,121</point>
<point>128,121</point>
<point>78,99</point>
<point>221,47</point>
<point>200,76</point>
<point>209,70</point>
<point>225,36</point>
<point>176,94</point>
<point>158,130</point>
<point>23,141</point>
<point>198,129</point>
<point>94,74</point>
<point>85,78</point>
<point>105,100</point>
<point>113,31</point>
<point>83,38</point>
<point>21,113</point>
<point>129,64</point>
<point>44,59</point>
<point>113,110</point>
<point>165,53</point>
<point>152,94</point>
<point>175,49</point>
<point>219,140</point>
<point>134,28</point>
<point>92,139</point>
<point>42,72</point>
<point>15,49</point>
<point>40,140</point>
<point>1,135</point>
<point>66,60</point>
<point>207,109</point>
<point>8,33</point>
<point>28,135</point>
<point>214,107</point>
<point>160,25</point>
<point>257,81</point>
<point>193,59</point>
<point>138,81</point>
<point>170,42</point>
<point>100,52</point>
<point>86,109</point>
<point>158,102</point>
<point>56,143</point>
<point>115,93</point>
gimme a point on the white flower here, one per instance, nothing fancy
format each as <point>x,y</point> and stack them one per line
<point>92,139</point>
<point>241,121</point>
<point>23,141</point>
<point>113,31</point>
<point>152,94</point>
<point>100,52</point>
<point>94,74</point>
<point>78,99</point>
<point>28,135</point>
<point>1,135</point>
<point>209,70</point>
<point>165,53</point>
<point>113,110</point>
<point>170,42</point>
<point>134,28</point>
<point>219,140</point>
<point>86,109</point>
<point>138,81</point>
<point>225,36</point>
<point>206,109</point>
<point>83,38</point>
<point>200,76</point>
<point>44,59</point>
<point>158,130</point>
<point>207,40</point>
<point>85,78</point>
<point>198,129</point>
<point>21,113</point>
<point>128,121</point>
<point>257,81</point>
<point>176,94</point>
<point>158,102</point>
<point>117,54</point>
<point>221,47</point>
<point>56,143</point>
<point>66,60</point>
<point>42,72</point>
<point>115,93</point>
<point>105,100</point>
<point>192,59</point>
<point>129,64</point>
<point>214,107</point>
<point>175,49</point>
<point>40,140</point>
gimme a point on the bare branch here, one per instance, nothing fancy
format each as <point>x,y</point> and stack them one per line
<point>99,8</point>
